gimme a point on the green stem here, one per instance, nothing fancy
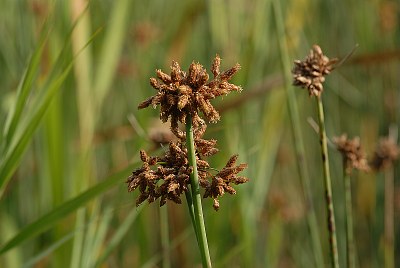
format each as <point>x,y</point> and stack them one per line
<point>199,226</point>
<point>350,246</point>
<point>389,211</point>
<point>328,186</point>
<point>189,202</point>
<point>298,138</point>
<point>165,241</point>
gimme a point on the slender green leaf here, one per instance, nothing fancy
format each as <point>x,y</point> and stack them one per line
<point>23,91</point>
<point>51,218</point>
<point>119,235</point>
<point>45,253</point>
<point>14,154</point>
<point>18,146</point>
<point>111,49</point>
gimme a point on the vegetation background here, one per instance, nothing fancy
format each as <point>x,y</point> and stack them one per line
<point>73,72</point>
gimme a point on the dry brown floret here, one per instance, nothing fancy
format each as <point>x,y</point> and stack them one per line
<point>310,73</point>
<point>352,153</point>
<point>385,154</point>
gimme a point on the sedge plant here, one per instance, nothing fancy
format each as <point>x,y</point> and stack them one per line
<point>310,74</point>
<point>386,153</point>
<point>353,158</point>
<point>183,99</point>
<point>298,137</point>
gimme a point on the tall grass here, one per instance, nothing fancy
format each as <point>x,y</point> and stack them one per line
<point>71,75</point>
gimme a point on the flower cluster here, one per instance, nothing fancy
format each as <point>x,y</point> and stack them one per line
<point>352,153</point>
<point>310,73</point>
<point>221,181</point>
<point>385,154</point>
<point>181,96</point>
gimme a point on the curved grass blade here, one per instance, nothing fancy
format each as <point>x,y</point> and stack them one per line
<point>23,91</point>
<point>118,236</point>
<point>111,50</point>
<point>47,221</point>
<point>33,261</point>
<point>14,151</point>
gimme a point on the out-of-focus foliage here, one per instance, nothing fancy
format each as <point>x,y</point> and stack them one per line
<point>73,72</point>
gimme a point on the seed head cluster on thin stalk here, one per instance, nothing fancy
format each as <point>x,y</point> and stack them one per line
<point>352,153</point>
<point>310,73</point>
<point>181,95</point>
<point>385,154</point>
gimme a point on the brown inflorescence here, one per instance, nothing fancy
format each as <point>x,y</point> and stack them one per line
<point>385,154</point>
<point>181,95</point>
<point>352,153</point>
<point>220,183</point>
<point>310,73</point>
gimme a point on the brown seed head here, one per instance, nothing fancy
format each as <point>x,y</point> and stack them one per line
<point>180,94</point>
<point>353,156</point>
<point>385,154</point>
<point>310,73</point>
<point>222,181</point>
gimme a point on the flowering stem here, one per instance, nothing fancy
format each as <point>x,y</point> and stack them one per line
<point>189,202</point>
<point>350,247</point>
<point>298,138</point>
<point>165,241</point>
<point>328,186</point>
<point>199,225</point>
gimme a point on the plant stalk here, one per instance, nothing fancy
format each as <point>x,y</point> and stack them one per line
<point>298,138</point>
<point>328,186</point>
<point>199,226</point>
<point>165,240</point>
<point>389,219</point>
<point>350,246</point>
<point>189,202</point>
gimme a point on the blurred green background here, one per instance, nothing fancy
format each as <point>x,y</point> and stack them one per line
<point>73,72</point>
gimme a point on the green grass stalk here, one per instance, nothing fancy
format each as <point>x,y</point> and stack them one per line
<point>165,241</point>
<point>199,225</point>
<point>189,201</point>
<point>298,137</point>
<point>328,186</point>
<point>350,246</point>
<point>389,219</point>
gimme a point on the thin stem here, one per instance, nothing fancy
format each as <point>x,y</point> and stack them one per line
<point>389,217</point>
<point>350,246</point>
<point>196,197</point>
<point>165,241</point>
<point>328,186</point>
<point>298,138</point>
<point>189,202</point>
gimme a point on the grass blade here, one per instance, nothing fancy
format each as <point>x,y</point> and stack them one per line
<point>15,152</point>
<point>119,235</point>
<point>51,218</point>
<point>23,91</point>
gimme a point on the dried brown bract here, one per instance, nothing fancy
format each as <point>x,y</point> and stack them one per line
<point>180,95</point>
<point>310,73</point>
<point>385,154</point>
<point>352,153</point>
